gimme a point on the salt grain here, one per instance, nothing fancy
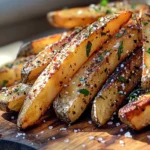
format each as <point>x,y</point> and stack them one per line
<point>53,138</point>
<point>148,136</point>
<point>118,124</point>
<point>63,129</point>
<point>89,122</point>
<point>110,123</point>
<point>128,135</point>
<point>91,137</point>
<point>66,141</point>
<point>50,127</point>
<point>83,145</point>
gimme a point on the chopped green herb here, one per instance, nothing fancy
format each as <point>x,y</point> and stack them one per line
<point>81,78</point>
<point>148,51</point>
<point>101,58</point>
<point>97,8</point>
<point>108,11</point>
<point>122,79</point>
<point>120,50</point>
<point>101,97</point>
<point>88,48</point>
<point>77,30</point>
<point>4,83</point>
<point>145,23</point>
<point>119,35</point>
<point>90,30</point>
<point>107,51</point>
<point>103,2</point>
<point>84,91</point>
<point>9,65</point>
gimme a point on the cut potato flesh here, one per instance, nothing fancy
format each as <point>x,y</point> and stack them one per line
<point>73,100</point>
<point>36,46</point>
<point>65,64</point>
<point>146,51</point>
<point>117,88</point>
<point>136,114</point>
<point>12,98</point>
<point>81,16</point>
<point>32,69</point>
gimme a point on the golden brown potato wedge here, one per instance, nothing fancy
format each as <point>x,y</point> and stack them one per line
<point>146,51</point>
<point>117,88</point>
<point>64,66</point>
<point>12,98</point>
<point>81,16</point>
<point>11,72</point>
<point>32,69</point>
<point>136,114</point>
<point>36,46</point>
<point>73,100</point>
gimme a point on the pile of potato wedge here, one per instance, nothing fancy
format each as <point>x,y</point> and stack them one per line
<point>100,60</point>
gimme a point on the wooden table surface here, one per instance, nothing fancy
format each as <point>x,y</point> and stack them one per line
<point>52,134</point>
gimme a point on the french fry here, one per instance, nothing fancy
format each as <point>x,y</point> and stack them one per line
<point>117,88</point>
<point>64,66</point>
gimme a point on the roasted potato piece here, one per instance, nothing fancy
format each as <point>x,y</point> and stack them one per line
<point>116,89</point>
<point>70,18</point>
<point>136,114</point>
<point>12,98</point>
<point>64,66</point>
<point>146,51</point>
<point>11,72</point>
<point>32,69</point>
<point>36,46</point>
<point>73,100</point>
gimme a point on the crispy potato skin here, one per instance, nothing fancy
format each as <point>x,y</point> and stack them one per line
<point>32,69</point>
<point>58,72</point>
<point>145,81</point>
<point>11,72</point>
<point>12,98</point>
<point>70,104</point>
<point>136,114</point>
<point>36,46</point>
<point>81,16</point>
<point>114,91</point>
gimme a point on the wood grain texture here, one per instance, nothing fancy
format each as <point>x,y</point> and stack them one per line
<point>41,137</point>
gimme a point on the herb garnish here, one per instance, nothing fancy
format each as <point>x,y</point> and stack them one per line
<point>4,83</point>
<point>88,48</point>
<point>101,58</point>
<point>120,50</point>
<point>108,11</point>
<point>101,97</point>
<point>103,2</point>
<point>81,79</point>
<point>122,79</point>
<point>148,51</point>
<point>144,23</point>
<point>84,91</point>
<point>118,35</point>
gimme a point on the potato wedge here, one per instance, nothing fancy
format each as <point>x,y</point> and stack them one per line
<point>136,114</point>
<point>11,72</point>
<point>116,89</point>
<point>81,16</point>
<point>64,66</point>
<point>12,98</point>
<point>32,69</point>
<point>36,46</point>
<point>73,100</point>
<point>145,82</point>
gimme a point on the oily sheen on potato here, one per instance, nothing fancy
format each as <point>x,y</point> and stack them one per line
<point>65,64</point>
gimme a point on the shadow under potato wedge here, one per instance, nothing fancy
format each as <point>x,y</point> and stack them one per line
<point>32,69</point>
<point>12,98</point>
<point>75,97</point>
<point>116,89</point>
<point>64,66</point>
<point>136,114</point>
<point>36,46</point>
<point>145,22</point>
<point>11,72</point>
<point>81,16</point>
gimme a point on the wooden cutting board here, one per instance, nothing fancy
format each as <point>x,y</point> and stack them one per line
<point>52,134</point>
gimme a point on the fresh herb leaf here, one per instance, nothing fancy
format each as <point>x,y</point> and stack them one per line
<point>133,6</point>
<point>145,23</point>
<point>4,83</point>
<point>103,2</point>
<point>81,79</point>
<point>88,48</point>
<point>97,8</point>
<point>119,35</point>
<point>84,92</point>
<point>108,11</point>
<point>101,58</point>
<point>90,30</point>
<point>148,51</point>
<point>9,65</point>
<point>122,79</point>
<point>120,50</point>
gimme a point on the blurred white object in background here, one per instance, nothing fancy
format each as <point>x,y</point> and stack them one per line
<point>8,53</point>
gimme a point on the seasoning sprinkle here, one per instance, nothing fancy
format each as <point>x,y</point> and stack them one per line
<point>88,48</point>
<point>120,50</point>
<point>148,51</point>
<point>84,91</point>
